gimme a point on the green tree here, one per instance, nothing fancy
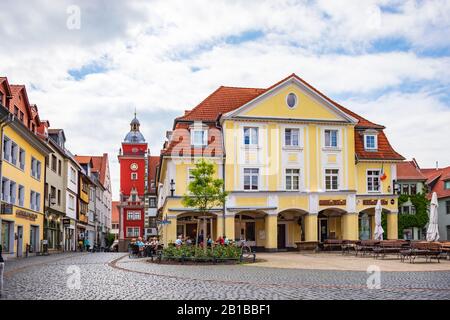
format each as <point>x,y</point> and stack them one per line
<point>205,192</point>
<point>420,218</point>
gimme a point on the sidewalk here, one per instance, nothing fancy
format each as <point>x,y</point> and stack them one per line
<point>14,264</point>
<point>337,261</point>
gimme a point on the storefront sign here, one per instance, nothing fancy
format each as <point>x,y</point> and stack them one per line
<point>68,223</point>
<point>332,202</point>
<point>6,208</point>
<point>26,215</point>
<point>373,202</point>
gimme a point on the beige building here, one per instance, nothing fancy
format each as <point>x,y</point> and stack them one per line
<point>55,190</point>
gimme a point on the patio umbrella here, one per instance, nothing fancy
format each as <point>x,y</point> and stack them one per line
<point>378,234</point>
<point>433,230</point>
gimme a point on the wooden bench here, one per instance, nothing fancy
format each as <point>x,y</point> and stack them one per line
<point>349,245</point>
<point>307,245</point>
<point>366,246</point>
<point>389,247</point>
<point>427,250</point>
<point>331,244</point>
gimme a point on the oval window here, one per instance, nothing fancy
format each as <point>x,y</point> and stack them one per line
<point>291,100</point>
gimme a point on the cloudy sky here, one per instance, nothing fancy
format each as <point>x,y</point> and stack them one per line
<point>386,60</point>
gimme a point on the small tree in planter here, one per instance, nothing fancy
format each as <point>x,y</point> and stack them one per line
<point>205,192</point>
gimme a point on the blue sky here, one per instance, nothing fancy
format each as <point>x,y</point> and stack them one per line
<point>387,60</point>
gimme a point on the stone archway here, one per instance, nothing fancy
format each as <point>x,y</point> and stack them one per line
<point>248,227</point>
<point>191,225</point>
<point>291,227</point>
<point>366,223</point>
<point>329,224</point>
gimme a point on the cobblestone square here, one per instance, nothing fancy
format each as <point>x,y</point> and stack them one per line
<point>105,276</point>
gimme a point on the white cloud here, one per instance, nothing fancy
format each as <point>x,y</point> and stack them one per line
<point>166,57</point>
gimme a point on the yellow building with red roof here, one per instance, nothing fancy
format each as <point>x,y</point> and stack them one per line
<point>298,167</point>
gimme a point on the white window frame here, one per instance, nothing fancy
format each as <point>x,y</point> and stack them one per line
<point>71,202</point>
<point>134,234</point>
<point>189,176</point>
<point>251,180</point>
<point>134,176</point>
<point>36,168</point>
<point>73,174</point>
<point>298,138</point>
<point>204,137</point>
<point>5,189</point>
<point>22,158</point>
<point>21,195</point>
<point>291,175</point>
<point>7,145</point>
<point>325,138</point>
<point>12,192</point>
<point>337,175</point>
<point>133,215</point>
<point>372,177</point>
<point>251,137</point>
<point>375,141</point>
<point>14,153</point>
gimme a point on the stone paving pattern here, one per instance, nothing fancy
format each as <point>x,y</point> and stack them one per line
<point>46,278</point>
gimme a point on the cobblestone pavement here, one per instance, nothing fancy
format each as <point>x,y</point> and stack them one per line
<point>113,276</point>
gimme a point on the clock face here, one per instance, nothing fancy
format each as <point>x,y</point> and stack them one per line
<point>134,166</point>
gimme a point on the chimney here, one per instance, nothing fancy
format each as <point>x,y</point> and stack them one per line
<point>437,165</point>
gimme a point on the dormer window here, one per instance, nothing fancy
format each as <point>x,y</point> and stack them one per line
<point>199,137</point>
<point>370,142</point>
<point>447,185</point>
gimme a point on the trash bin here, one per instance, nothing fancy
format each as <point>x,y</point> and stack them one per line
<point>44,247</point>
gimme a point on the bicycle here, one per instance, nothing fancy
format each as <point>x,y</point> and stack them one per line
<point>246,251</point>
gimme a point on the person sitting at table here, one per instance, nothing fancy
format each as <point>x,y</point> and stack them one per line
<point>179,241</point>
<point>140,245</point>
<point>220,241</point>
<point>209,241</point>
<point>188,241</point>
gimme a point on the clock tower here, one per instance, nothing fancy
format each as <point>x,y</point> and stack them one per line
<point>133,182</point>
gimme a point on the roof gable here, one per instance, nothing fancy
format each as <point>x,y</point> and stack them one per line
<point>309,106</point>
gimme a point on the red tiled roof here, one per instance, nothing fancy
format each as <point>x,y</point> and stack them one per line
<point>223,100</point>
<point>436,179</point>
<point>115,212</point>
<point>226,99</point>
<point>409,171</point>
<point>99,164</point>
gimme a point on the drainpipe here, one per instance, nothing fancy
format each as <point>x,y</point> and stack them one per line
<point>219,126</point>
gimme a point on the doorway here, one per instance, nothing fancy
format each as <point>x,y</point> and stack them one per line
<point>281,243</point>
<point>19,241</point>
<point>323,230</point>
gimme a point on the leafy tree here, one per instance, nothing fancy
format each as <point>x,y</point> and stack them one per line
<point>417,220</point>
<point>205,192</point>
